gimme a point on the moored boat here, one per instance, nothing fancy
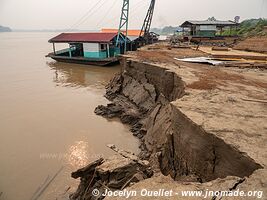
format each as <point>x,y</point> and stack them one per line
<point>89,48</point>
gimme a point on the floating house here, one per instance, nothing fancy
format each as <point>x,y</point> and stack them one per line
<point>207,28</point>
<point>88,48</point>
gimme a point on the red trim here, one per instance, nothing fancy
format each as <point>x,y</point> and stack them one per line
<point>83,37</point>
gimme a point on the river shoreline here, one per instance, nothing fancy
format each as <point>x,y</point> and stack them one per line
<point>154,100</point>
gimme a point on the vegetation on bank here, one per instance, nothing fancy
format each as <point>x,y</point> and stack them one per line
<point>5,29</point>
<point>165,31</point>
<point>250,27</point>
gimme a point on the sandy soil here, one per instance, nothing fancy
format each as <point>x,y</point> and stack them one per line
<point>200,123</point>
<point>258,44</point>
<point>230,103</point>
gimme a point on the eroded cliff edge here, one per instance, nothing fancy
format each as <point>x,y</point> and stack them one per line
<point>178,119</point>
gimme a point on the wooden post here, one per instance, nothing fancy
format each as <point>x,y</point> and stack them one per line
<point>70,50</point>
<point>54,49</point>
<point>108,50</point>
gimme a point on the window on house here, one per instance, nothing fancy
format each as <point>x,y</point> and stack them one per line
<point>103,47</point>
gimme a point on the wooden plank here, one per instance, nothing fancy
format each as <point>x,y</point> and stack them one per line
<point>234,56</point>
<point>220,49</point>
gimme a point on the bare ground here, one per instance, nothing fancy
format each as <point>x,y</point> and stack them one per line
<point>257,44</point>
<point>230,103</point>
<point>204,128</point>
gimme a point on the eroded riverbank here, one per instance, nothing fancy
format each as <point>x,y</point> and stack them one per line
<point>193,122</point>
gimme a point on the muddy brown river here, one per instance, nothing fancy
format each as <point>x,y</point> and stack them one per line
<point>47,119</point>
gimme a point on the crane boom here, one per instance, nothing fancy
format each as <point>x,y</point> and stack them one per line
<point>145,31</point>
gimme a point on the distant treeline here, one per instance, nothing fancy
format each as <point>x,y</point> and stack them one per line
<point>165,31</point>
<point>5,29</point>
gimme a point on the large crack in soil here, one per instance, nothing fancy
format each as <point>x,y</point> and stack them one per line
<point>173,144</point>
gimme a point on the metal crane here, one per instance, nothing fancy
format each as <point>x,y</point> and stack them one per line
<point>124,23</point>
<point>145,31</point>
<point>145,36</point>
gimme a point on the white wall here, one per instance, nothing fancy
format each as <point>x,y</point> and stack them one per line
<point>90,47</point>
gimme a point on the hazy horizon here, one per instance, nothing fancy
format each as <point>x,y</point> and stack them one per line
<point>97,14</point>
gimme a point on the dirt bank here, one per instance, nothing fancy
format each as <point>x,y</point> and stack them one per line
<point>188,133</point>
<point>258,44</point>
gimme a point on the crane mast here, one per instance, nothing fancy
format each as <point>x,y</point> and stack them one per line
<point>124,23</point>
<point>145,36</point>
<point>145,31</point>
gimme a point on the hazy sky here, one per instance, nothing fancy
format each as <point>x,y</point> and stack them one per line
<point>94,14</point>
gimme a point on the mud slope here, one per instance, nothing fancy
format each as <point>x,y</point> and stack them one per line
<point>200,127</point>
<point>141,96</point>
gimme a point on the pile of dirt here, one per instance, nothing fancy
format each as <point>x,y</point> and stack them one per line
<point>257,44</point>
<point>210,78</point>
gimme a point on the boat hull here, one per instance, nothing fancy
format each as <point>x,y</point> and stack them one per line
<point>86,61</point>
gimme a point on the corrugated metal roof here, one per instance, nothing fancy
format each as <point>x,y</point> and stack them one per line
<point>83,37</point>
<point>208,22</point>
<point>130,32</point>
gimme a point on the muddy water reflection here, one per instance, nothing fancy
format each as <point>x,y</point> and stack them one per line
<point>47,118</point>
<point>80,76</point>
<point>78,154</point>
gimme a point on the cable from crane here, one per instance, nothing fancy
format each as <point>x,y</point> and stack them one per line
<point>107,13</point>
<point>138,4</point>
<point>92,13</point>
<point>133,8</point>
<point>87,14</point>
<point>137,13</point>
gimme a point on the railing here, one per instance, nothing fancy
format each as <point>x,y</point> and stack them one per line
<point>65,50</point>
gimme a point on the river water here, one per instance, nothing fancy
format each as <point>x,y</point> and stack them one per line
<point>47,119</point>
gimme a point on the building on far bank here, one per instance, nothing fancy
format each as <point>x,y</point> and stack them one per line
<point>208,28</point>
<point>5,29</point>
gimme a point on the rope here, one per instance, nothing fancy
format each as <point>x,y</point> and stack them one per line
<point>134,8</point>
<point>86,15</point>
<point>99,4</point>
<point>107,13</point>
